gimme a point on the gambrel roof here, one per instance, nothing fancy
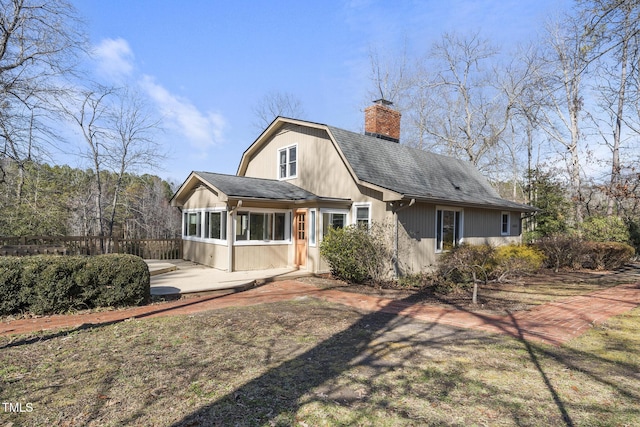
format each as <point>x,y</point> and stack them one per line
<point>400,171</point>
<point>416,173</point>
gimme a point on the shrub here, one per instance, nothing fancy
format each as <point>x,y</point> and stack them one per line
<point>56,284</point>
<point>120,280</point>
<point>516,260</point>
<point>415,281</point>
<point>49,285</point>
<point>605,229</point>
<point>467,263</point>
<point>562,251</point>
<point>607,255</point>
<point>347,251</point>
<point>10,272</point>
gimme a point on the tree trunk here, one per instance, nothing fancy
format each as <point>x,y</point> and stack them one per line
<point>615,160</point>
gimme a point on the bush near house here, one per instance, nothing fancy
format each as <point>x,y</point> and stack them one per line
<point>347,251</point>
<point>562,250</point>
<point>569,251</point>
<point>469,263</point>
<point>55,284</point>
<point>516,260</point>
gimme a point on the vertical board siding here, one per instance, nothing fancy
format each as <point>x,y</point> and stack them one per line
<point>260,257</point>
<point>418,232</point>
<point>210,254</point>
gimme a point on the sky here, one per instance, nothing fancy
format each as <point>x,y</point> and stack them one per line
<point>205,64</point>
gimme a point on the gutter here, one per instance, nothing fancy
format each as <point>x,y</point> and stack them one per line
<point>396,262</point>
<point>230,235</point>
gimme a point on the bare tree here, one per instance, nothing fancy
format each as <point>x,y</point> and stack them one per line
<point>275,104</point>
<point>90,111</point>
<point>40,43</point>
<point>132,144</point>
<point>391,78</point>
<point>560,87</point>
<point>612,26</point>
<point>119,131</point>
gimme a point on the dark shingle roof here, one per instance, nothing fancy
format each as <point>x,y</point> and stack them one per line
<point>416,173</point>
<point>256,188</point>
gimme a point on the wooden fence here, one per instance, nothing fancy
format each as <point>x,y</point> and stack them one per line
<point>90,245</point>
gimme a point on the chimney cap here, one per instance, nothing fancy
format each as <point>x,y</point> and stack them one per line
<point>383,101</point>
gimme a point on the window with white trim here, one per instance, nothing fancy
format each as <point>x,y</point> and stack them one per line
<point>448,229</point>
<point>192,224</point>
<point>263,227</point>
<point>215,225</point>
<point>362,215</point>
<point>505,224</point>
<point>312,227</point>
<point>205,225</point>
<point>288,162</point>
<point>333,219</point>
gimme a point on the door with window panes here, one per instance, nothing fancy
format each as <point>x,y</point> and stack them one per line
<point>300,235</point>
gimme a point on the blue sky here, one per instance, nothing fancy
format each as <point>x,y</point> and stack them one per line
<point>206,64</point>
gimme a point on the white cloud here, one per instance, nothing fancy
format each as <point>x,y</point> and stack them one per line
<point>202,130</point>
<point>115,58</point>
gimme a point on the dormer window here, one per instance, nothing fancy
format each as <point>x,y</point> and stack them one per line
<point>288,162</point>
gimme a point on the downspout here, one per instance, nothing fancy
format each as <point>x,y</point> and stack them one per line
<point>230,235</point>
<point>396,263</point>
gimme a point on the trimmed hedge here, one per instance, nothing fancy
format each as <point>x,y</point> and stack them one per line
<point>56,284</point>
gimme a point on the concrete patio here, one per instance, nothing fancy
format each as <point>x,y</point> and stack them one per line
<point>178,277</point>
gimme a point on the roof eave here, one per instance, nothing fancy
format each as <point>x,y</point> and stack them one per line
<point>188,186</point>
<point>294,201</point>
<point>435,200</point>
<point>266,134</point>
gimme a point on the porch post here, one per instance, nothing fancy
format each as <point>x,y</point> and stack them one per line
<point>231,215</point>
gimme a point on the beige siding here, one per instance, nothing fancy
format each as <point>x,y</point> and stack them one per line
<point>320,168</point>
<point>203,197</point>
<point>215,256</point>
<point>260,257</point>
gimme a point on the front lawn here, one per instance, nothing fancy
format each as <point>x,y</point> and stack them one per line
<point>310,363</point>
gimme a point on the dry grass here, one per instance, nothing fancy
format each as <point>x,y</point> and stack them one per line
<point>496,298</point>
<point>311,363</point>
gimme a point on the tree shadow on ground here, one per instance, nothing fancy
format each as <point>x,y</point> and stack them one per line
<point>275,397</point>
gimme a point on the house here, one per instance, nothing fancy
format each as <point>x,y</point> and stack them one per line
<point>300,178</point>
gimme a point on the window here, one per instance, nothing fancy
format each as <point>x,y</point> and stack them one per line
<point>312,227</point>
<point>259,226</point>
<point>448,229</point>
<point>333,220</point>
<point>288,162</point>
<point>198,225</point>
<point>215,225</point>
<point>301,221</point>
<point>192,224</point>
<point>506,223</point>
<point>362,215</point>
<point>242,226</point>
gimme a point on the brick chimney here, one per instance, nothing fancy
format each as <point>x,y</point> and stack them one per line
<point>381,121</point>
